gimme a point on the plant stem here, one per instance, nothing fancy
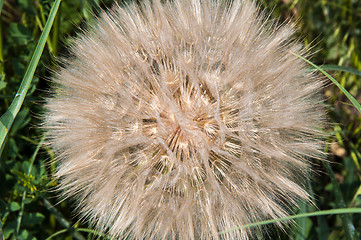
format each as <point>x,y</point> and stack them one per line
<point>348,226</point>
<point>32,159</point>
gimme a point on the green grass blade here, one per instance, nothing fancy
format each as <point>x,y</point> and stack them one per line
<point>8,117</point>
<point>1,231</point>
<point>1,5</point>
<point>55,34</point>
<point>61,219</point>
<point>347,224</point>
<point>93,232</point>
<point>323,229</point>
<point>331,67</point>
<point>56,234</point>
<point>349,96</point>
<point>302,215</point>
<point>301,223</point>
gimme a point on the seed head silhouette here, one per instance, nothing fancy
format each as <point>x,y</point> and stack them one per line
<point>182,119</point>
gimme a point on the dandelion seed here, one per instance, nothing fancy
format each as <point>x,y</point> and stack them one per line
<point>182,119</point>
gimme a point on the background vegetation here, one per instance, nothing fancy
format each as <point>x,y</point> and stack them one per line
<point>29,208</point>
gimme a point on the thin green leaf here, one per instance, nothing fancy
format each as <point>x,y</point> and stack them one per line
<point>323,230</point>
<point>61,219</point>
<point>302,215</point>
<point>32,159</point>
<point>331,67</point>
<point>358,193</point>
<point>1,231</point>
<point>95,233</point>
<point>55,33</point>
<point>56,234</point>
<point>92,232</point>
<point>301,224</point>
<point>349,96</point>
<point>8,117</point>
<point>347,224</point>
<point>1,5</point>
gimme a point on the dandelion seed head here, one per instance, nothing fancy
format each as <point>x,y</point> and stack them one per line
<point>180,120</point>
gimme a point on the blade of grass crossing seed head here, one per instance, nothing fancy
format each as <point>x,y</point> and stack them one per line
<point>301,215</point>
<point>7,119</point>
<point>348,95</point>
<point>331,67</point>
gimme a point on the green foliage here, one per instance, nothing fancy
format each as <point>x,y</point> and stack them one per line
<point>26,198</point>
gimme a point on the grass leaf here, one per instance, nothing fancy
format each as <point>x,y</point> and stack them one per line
<point>348,226</point>
<point>301,225</point>
<point>7,119</point>
<point>93,232</point>
<point>331,67</point>
<point>61,219</point>
<point>1,5</point>
<point>349,96</point>
<point>301,215</point>
<point>1,231</point>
